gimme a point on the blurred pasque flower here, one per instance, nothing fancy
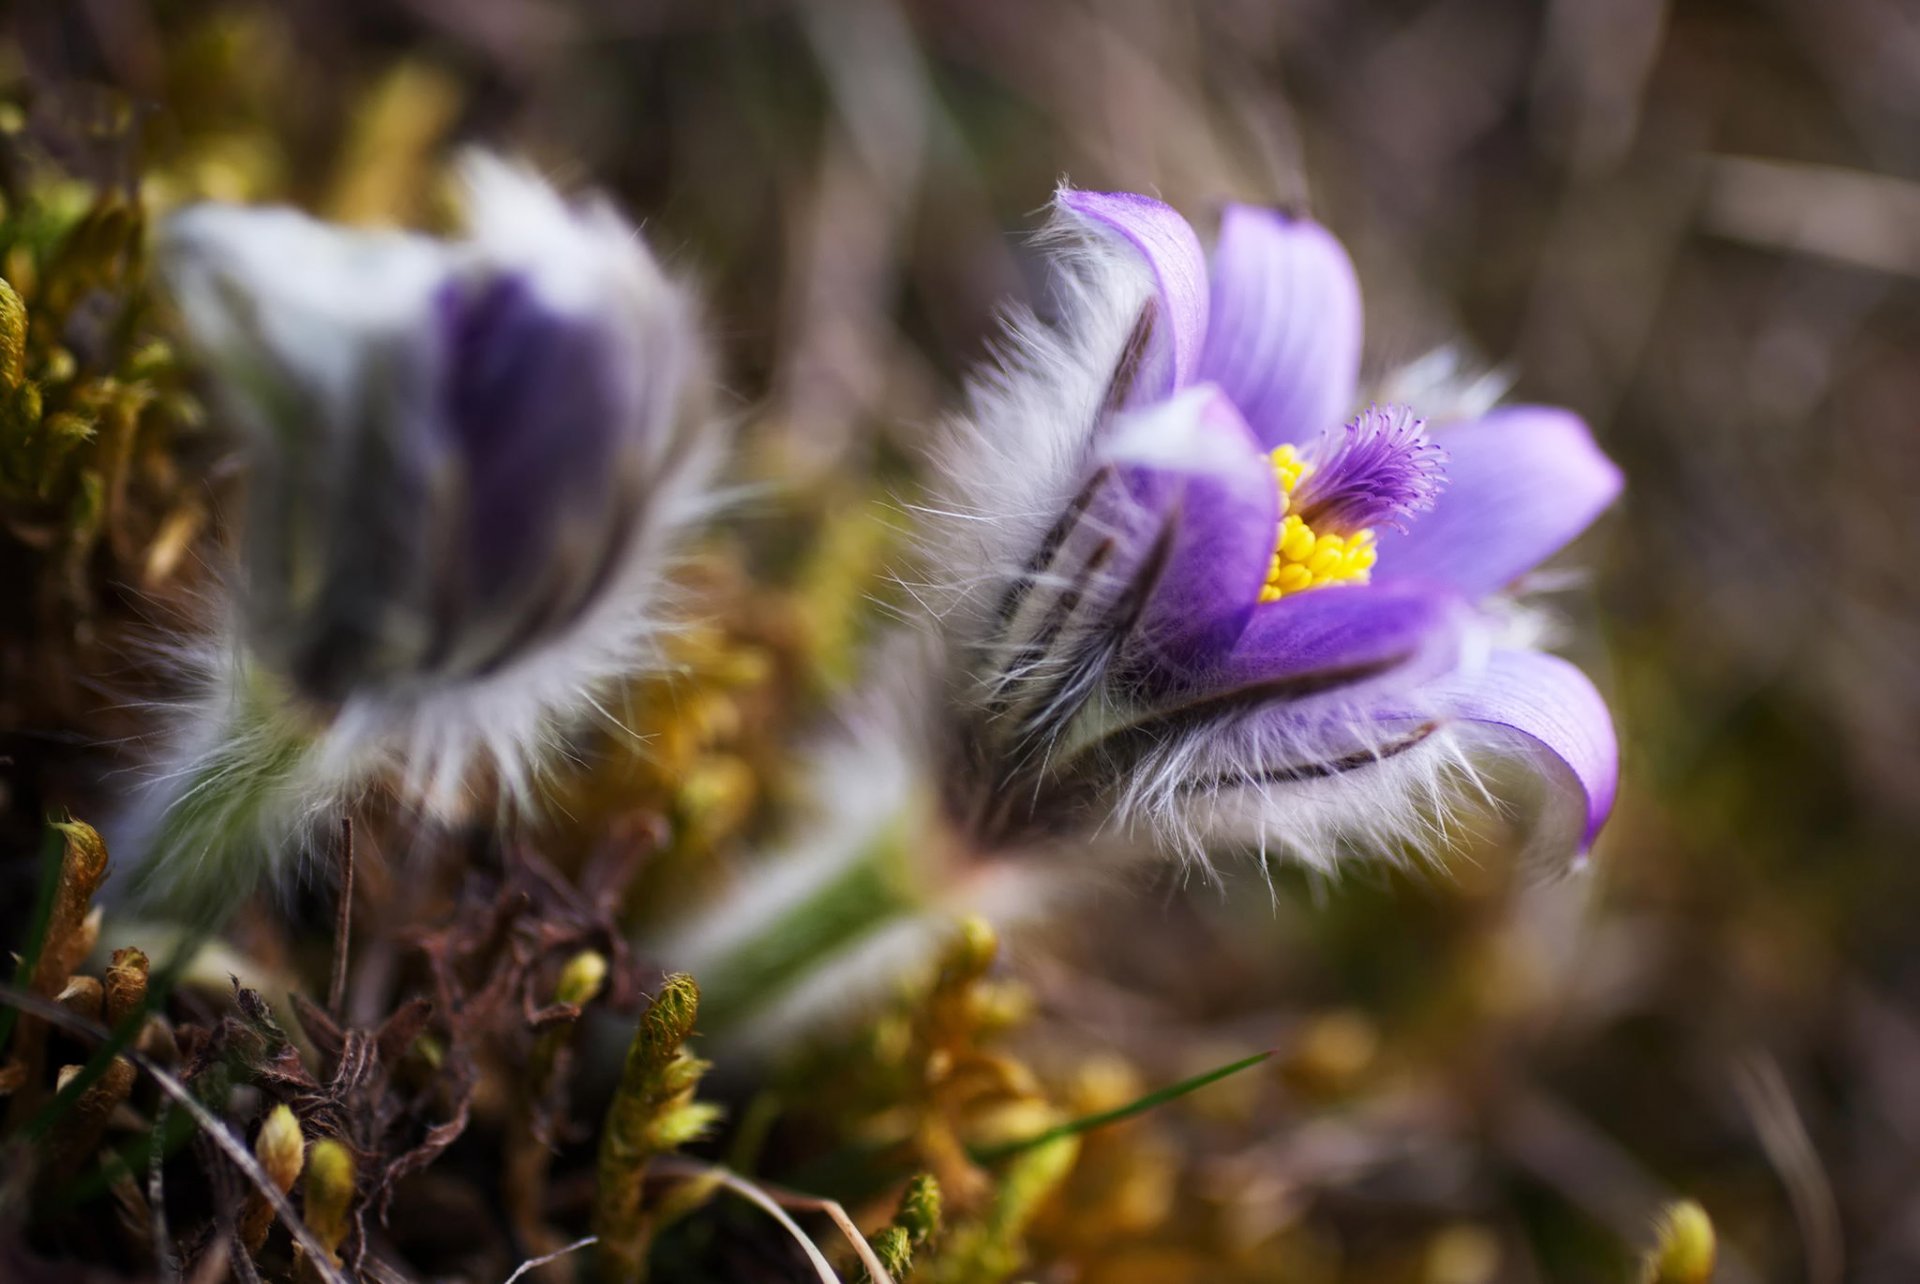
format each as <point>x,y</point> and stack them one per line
<point>469,461</point>
<point>1183,592</point>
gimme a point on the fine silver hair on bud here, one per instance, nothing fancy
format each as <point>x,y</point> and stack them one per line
<point>470,461</point>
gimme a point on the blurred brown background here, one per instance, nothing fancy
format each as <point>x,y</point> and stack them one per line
<point>1697,223</point>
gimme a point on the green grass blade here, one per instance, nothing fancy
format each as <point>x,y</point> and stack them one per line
<point>1140,1105</point>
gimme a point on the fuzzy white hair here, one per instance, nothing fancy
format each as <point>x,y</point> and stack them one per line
<point>1318,781</point>
<point>284,307</point>
<point>1002,731</point>
<point>1012,462</point>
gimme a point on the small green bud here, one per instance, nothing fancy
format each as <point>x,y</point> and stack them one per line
<point>280,1148</point>
<point>895,1251</point>
<point>675,1128</point>
<point>329,1193</point>
<point>669,1018</point>
<point>58,366</point>
<point>1685,1249</point>
<point>919,1212</point>
<point>150,360</point>
<point>581,979</point>
<point>915,1221</point>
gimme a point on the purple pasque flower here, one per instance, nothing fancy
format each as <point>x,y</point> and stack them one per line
<point>1181,591</point>
<point>469,462</point>
<point>1192,581</point>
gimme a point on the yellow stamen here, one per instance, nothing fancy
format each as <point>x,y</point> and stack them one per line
<point>1302,557</point>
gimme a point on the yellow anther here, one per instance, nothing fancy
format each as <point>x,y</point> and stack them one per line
<point>1289,468</point>
<point>1296,541</point>
<point>1303,558</point>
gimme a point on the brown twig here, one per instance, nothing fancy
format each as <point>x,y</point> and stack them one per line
<point>69,937</point>
<point>216,1130</point>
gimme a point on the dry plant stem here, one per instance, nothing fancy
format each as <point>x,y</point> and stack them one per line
<point>228,1238</point>
<point>783,1198</point>
<point>342,923</point>
<point>759,1198</point>
<point>83,866</point>
<point>524,1187</point>
<point>529,1152</point>
<point>78,1135</point>
<point>211,1124</point>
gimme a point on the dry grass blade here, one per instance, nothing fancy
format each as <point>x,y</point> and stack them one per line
<point>761,1199</point>
<point>806,1203</point>
<point>210,1123</point>
<point>1763,1091</point>
<point>838,1216</point>
<point>535,1263</point>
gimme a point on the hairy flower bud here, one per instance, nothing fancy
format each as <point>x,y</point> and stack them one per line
<point>469,462</point>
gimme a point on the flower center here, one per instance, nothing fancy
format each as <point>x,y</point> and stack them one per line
<point>1378,469</point>
<point>1304,558</point>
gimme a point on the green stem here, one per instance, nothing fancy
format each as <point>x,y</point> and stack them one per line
<point>1087,1123</point>
<point>847,906</point>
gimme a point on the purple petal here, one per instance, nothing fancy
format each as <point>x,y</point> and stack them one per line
<point>531,412</point>
<point>1179,267</point>
<point>1193,462</point>
<point>1283,337</point>
<point>1341,637</point>
<point>1556,708</point>
<point>1521,483</point>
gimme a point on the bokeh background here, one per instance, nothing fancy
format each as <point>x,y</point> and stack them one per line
<point>1697,222</point>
